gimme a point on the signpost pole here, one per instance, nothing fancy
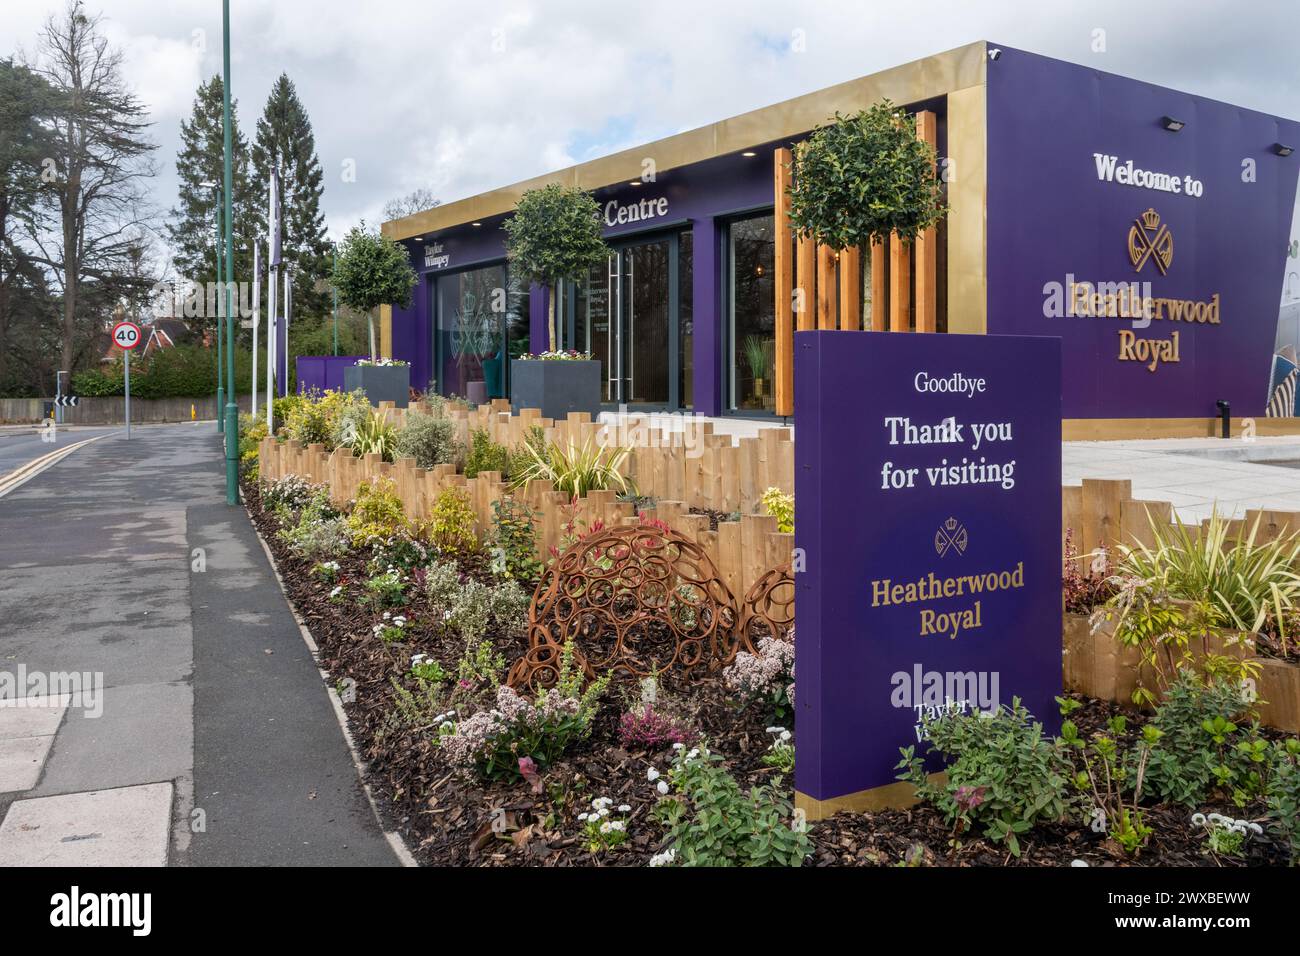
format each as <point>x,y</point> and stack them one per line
<point>126,381</point>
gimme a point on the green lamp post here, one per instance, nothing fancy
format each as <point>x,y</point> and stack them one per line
<point>231,408</point>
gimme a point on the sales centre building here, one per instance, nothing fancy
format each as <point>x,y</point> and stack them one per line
<point>1155,232</point>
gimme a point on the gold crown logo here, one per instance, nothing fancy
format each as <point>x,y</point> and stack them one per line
<point>1151,219</point>
<point>951,524</point>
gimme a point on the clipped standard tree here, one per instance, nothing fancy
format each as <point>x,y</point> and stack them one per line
<point>371,270</point>
<point>863,177</point>
<point>554,236</point>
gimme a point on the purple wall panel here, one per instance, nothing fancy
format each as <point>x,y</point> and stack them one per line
<point>1050,216</point>
<point>323,371</point>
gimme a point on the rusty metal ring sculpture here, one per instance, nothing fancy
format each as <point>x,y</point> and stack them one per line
<point>635,601</point>
<point>768,609</point>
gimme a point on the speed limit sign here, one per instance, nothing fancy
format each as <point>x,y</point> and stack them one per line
<point>126,335</point>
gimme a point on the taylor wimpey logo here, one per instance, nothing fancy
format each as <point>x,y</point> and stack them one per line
<point>1149,238</point>
<point>75,908</point>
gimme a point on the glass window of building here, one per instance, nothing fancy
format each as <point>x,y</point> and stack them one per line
<point>469,348</point>
<point>751,320</point>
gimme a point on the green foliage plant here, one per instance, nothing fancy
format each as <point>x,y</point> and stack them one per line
<point>1021,776</point>
<point>428,439</point>
<point>484,454</point>
<point>555,235</point>
<point>371,270</point>
<point>450,526</point>
<point>514,539</point>
<point>861,178</point>
<point>781,507</point>
<point>377,513</point>
<point>712,822</point>
<point>576,470</point>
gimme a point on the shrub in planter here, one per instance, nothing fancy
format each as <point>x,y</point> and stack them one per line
<point>1207,740</point>
<point>485,454</point>
<point>368,433</point>
<point>576,470</point>
<point>781,507</point>
<point>315,416</point>
<point>428,439</point>
<point>450,527</point>
<point>1003,774</point>
<point>377,512</point>
<point>514,540</point>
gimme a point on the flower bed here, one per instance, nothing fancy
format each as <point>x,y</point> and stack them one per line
<point>417,632</point>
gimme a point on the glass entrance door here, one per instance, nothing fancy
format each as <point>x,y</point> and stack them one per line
<point>643,330</point>
<point>628,314</point>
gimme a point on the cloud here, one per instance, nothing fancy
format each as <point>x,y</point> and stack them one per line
<point>467,97</point>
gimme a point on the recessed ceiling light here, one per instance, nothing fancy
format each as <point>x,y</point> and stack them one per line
<point>476,223</point>
<point>634,182</point>
<point>749,153</point>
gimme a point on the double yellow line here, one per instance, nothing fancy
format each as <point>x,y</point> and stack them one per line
<point>33,468</point>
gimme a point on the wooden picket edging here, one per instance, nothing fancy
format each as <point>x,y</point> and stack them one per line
<point>711,472</point>
<point>1103,514</point>
<point>707,471</point>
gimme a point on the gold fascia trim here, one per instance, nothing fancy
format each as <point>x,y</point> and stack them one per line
<point>891,796</point>
<point>912,82</point>
<point>968,210</point>
<point>1116,429</point>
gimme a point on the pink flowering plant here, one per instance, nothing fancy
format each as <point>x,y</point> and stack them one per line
<point>645,728</point>
<point>766,676</point>
<point>496,741</point>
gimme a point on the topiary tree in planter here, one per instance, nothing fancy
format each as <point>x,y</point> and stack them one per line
<point>863,177</point>
<point>554,236</point>
<point>371,270</point>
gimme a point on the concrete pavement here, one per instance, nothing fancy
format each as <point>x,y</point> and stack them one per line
<point>184,720</point>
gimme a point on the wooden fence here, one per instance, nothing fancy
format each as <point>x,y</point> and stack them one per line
<point>680,471</point>
<point>1104,514</point>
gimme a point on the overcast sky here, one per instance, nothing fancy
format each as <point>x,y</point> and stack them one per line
<point>463,97</point>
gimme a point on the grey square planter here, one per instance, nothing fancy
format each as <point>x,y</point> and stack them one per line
<point>381,383</point>
<point>557,387</point>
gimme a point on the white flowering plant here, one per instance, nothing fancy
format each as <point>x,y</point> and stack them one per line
<point>557,355</point>
<point>379,362</point>
<point>711,821</point>
<point>327,571</point>
<point>766,676</point>
<point>780,754</point>
<point>604,826</point>
<point>495,741</point>
<point>391,628</point>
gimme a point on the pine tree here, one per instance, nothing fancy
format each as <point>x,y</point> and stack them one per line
<point>193,224</point>
<point>25,102</point>
<point>285,139</point>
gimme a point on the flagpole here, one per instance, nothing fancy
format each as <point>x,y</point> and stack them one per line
<point>273,263</point>
<point>232,400</point>
<point>257,313</point>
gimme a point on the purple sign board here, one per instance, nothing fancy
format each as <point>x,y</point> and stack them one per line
<point>927,542</point>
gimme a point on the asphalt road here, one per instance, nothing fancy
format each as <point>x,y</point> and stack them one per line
<point>124,560</point>
<point>20,444</point>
